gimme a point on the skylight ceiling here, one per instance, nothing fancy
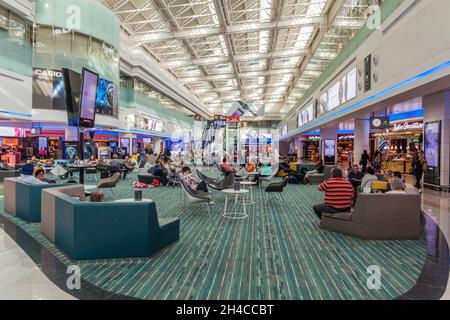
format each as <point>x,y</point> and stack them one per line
<point>269,51</point>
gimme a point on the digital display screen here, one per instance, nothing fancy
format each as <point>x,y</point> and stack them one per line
<point>333,97</point>
<point>323,103</point>
<point>72,84</point>
<point>70,150</point>
<point>285,130</point>
<point>432,143</point>
<point>351,84</point>
<point>48,89</point>
<point>88,98</point>
<point>106,98</point>
<point>330,147</point>
<point>306,115</point>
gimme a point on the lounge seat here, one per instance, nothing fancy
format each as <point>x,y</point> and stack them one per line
<point>379,217</point>
<point>276,188</point>
<point>226,183</point>
<point>205,178</point>
<point>48,212</point>
<point>196,196</point>
<point>318,178</point>
<point>110,230</point>
<point>23,200</point>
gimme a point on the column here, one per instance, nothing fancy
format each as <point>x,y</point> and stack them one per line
<point>362,137</point>
<point>328,133</point>
<point>437,108</point>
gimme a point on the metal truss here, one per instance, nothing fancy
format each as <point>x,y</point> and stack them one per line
<point>251,50</point>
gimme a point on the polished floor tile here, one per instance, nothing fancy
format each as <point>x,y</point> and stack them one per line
<point>21,278</point>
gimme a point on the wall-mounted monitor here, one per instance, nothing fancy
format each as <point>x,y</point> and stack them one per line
<point>72,85</point>
<point>432,145</point>
<point>330,151</point>
<point>88,98</point>
<point>106,98</point>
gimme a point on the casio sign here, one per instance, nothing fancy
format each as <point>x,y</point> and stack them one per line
<point>47,73</point>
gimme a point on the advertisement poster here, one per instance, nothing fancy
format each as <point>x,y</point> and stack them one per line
<point>106,98</point>
<point>70,150</point>
<point>432,143</point>
<point>330,148</point>
<point>48,89</point>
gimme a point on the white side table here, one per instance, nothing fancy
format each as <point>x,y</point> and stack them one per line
<point>235,214</point>
<point>249,185</point>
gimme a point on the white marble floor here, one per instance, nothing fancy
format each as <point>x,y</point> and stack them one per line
<point>21,278</point>
<point>437,206</point>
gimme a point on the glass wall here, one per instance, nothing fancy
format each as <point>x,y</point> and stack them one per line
<point>56,48</point>
<point>137,95</point>
<point>15,43</point>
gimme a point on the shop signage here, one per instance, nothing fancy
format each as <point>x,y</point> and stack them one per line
<point>348,137</point>
<point>314,138</point>
<point>408,126</point>
<point>197,117</point>
<point>233,119</point>
<point>11,132</point>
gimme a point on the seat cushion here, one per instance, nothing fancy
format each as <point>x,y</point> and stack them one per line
<point>345,216</point>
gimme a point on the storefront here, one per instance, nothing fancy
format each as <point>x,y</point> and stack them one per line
<point>345,147</point>
<point>398,144</point>
<point>12,145</point>
<point>311,149</point>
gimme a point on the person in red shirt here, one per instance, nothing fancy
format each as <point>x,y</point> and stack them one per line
<point>338,195</point>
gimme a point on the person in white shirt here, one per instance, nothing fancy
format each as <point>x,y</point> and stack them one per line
<point>27,175</point>
<point>368,178</point>
<point>396,186</point>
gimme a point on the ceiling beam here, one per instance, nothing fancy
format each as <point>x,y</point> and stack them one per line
<point>328,18</point>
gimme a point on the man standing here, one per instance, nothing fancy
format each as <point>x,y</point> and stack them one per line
<point>338,195</point>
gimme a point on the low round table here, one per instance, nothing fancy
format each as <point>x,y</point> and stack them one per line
<point>235,214</point>
<point>249,185</point>
<point>132,200</point>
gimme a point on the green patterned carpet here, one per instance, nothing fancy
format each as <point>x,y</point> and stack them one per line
<point>278,252</point>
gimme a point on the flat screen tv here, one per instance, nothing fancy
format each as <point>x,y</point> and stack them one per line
<point>106,98</point>
<point>89,86</point>
<point>72,85</point>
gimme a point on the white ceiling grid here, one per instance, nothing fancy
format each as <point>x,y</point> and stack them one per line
<point>269,51</point>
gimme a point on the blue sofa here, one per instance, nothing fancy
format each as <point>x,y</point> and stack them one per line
<point>23,200</point>
<point>108,230</point>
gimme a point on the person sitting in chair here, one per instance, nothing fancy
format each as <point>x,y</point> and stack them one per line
<point>40,175</point>
<point>192,181</point>
<point>355,176</point>
<point>28,177</point>
<point>158,172</point>
<point>338,195</point>
<point>319,167</point>
<point>396,186</point>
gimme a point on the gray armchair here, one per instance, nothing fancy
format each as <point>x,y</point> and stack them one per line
<point>379,216</point>
<point>318,178</point>
<point>109,183</point>
<point>196,196</point>
<point>224,184</point>
<point>205,178</point>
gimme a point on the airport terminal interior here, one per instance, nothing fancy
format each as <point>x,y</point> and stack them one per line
<point>224,149</point>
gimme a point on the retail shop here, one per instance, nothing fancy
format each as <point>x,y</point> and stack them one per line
<point>398,143</point>
<point>345,143</point>
<point>12,145</point>
<point>311,148</point>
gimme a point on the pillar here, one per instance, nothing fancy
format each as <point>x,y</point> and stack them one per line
<point>437,108</point>
<point>328,133</point>
<point>362,137</point>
